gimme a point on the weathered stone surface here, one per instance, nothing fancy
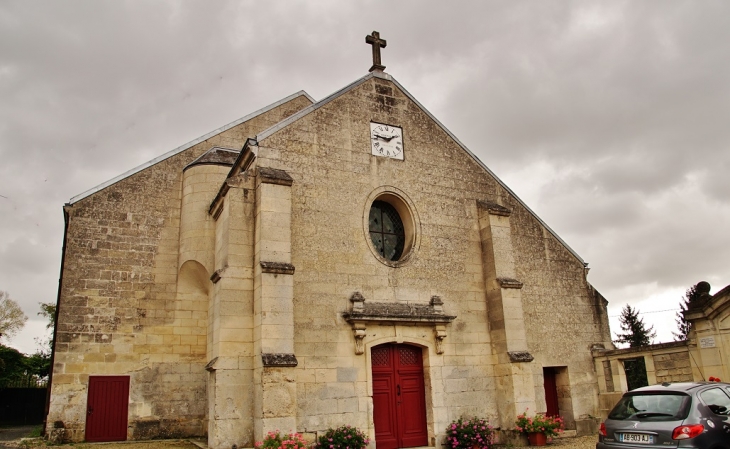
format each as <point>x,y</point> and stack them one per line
<point>166,272</point>
<point>270,175</point>
<point>494,208</point>
<point>509,283</point>
<point>215,156</point>
<point>122,310</point>
<point>277,267</point>
<point>396,312</point>
<point>279,359</point>
<point>520,356</point>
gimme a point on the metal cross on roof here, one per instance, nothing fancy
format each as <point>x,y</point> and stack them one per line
<point>375,40</point>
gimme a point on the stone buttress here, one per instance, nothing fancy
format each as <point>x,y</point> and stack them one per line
<point>274,383</point>
<point>515,381</point>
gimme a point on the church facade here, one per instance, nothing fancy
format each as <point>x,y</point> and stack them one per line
<point>314,264</point>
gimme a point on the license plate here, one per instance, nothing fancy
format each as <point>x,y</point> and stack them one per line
<point>636,438</point>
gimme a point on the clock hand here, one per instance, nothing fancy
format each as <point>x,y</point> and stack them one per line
<point>386,138</point>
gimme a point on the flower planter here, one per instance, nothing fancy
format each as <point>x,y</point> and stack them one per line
<point>537,439</point>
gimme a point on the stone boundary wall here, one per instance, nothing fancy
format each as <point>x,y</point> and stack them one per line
<point>665,362</point>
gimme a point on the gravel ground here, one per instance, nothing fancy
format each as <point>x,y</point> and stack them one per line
<point>13,433</point>
<point>587,442</point>
<point>156,444</point>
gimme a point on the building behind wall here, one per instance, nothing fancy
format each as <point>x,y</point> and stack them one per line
<point>317,264</point>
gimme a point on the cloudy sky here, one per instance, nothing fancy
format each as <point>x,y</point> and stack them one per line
<point>610,119</point>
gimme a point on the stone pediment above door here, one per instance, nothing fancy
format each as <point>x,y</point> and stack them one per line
<point>363,313</point>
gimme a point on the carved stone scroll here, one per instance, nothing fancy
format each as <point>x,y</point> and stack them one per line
<point>439,333</point>
<point>359,331</point>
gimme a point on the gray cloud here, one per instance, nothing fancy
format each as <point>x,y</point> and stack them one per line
<point>609,119</point>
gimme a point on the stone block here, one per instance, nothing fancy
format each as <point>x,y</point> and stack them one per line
<point>347,374</point>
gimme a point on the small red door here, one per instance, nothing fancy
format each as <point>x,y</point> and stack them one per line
<point>106,408</point>
<point>551,391</point>
<point>399,397</point>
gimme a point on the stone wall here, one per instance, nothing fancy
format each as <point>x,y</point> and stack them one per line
<point>665,362</point>
<point>327,155</point>
<point>672,367</point>
<point>699,358</point>
<point>120,308</point>
<point>245,302</point>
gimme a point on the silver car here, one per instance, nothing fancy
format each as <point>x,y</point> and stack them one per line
<point>682,415</point>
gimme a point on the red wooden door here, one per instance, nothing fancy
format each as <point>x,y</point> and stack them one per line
<point>551,391</point>
<point>106,408</point>
<point>399,397</point>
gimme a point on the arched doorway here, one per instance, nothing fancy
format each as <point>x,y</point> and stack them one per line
<point>399,396</point>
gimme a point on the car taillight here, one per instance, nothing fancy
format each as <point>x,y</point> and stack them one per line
<point>687,432</point>
<point>602,429</point>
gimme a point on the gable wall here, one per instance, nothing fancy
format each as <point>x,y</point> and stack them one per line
<point>327,153</point>
<point>563,318</point>
<point>119,309</point>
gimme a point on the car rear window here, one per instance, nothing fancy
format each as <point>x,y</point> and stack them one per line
<point>717,401</point>
<point>651,407</point>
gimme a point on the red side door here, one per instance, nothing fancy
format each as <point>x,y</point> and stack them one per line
<point>551,391</point>
<point>399,397</point>
<point>106,408</point>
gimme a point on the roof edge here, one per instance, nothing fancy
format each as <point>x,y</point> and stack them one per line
<point>313,107</point>
<point>184,147</point>
<point>198,160</point>
<point>482,164</point>
<point>382,75</point>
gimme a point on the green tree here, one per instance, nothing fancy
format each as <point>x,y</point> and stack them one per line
<point>12,364</point>
<point>635,370</point>
<point>39,364</point>
<point>19,369</point>
<point>683,326</point>
<point>634,332</point>
<point>12,318</point>
<point>48,311</point>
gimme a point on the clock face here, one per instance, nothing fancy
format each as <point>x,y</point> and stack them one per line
<point>386,140</point>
